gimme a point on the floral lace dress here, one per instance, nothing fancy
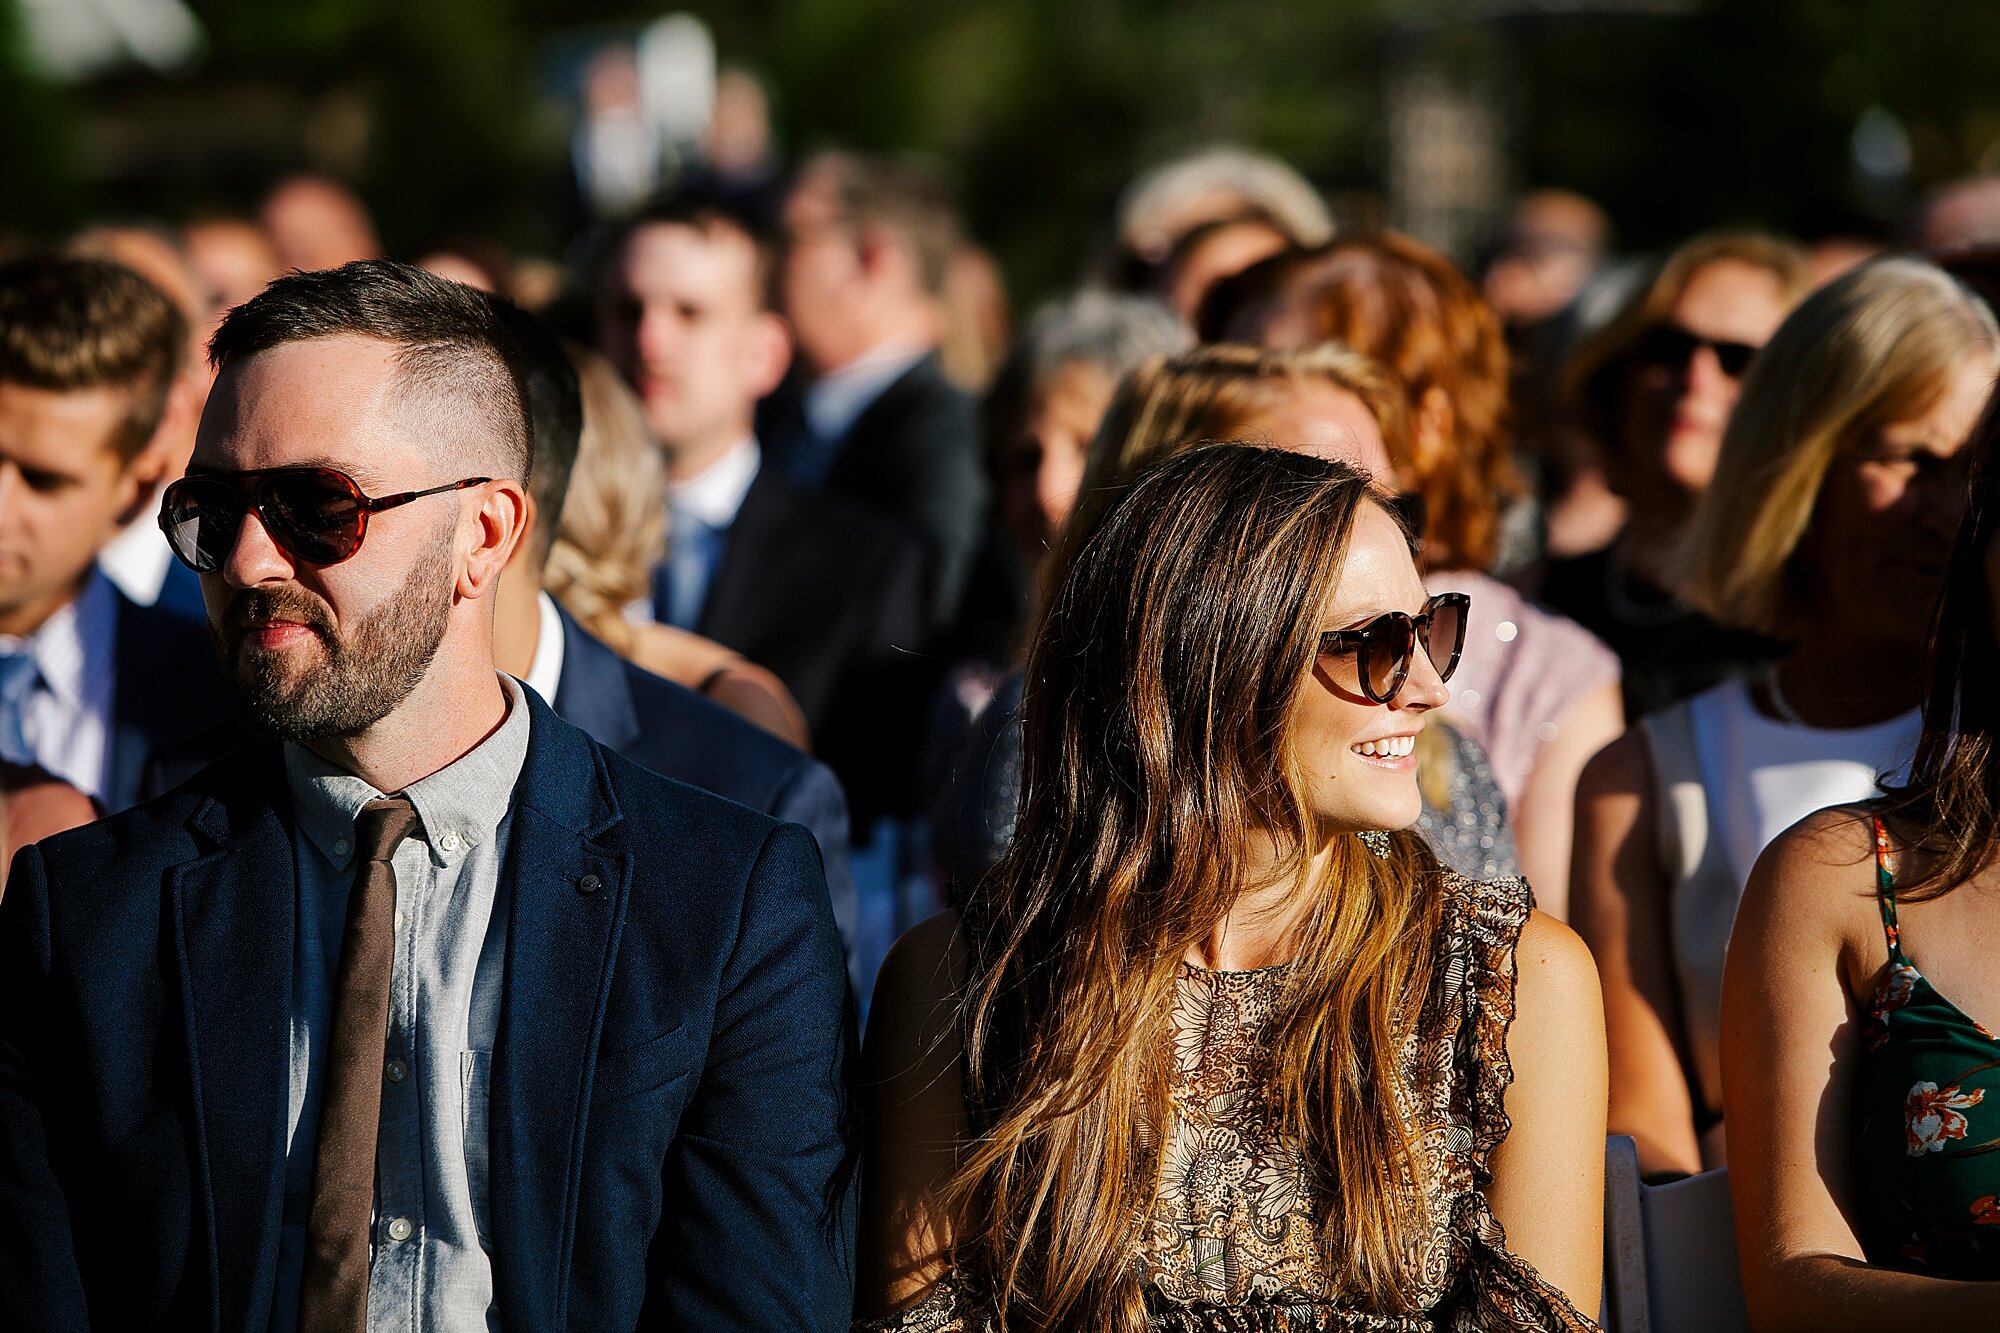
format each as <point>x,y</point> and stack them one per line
<point>1232,1241</point>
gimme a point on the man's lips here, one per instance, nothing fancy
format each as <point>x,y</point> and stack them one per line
<point>277,634</point>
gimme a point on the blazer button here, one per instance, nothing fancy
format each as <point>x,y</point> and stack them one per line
<point>589,884</point>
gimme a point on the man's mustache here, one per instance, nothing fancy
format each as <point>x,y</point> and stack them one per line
<point>268,604</point>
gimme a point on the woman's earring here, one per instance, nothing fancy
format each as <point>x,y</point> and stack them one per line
<point>1375,840</point>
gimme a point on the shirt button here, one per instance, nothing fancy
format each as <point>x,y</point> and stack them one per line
<point>342,847</point>
<point>1505,631</point>
<point>397,1071</point>
<point>401,920</point>
<point>399,1230</point>
<point>449,842</point>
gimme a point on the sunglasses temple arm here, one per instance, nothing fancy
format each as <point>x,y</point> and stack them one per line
<point>377,504</point>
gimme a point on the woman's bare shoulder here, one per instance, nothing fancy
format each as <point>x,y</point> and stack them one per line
<point>1555,971</point>
<point>928,960</point>
<point>919,988</point>
<point>1814,880</point>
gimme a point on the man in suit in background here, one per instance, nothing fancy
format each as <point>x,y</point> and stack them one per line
<point>650,720</point>
<point>436,1014</point>
<point>116,699</point>
<point>819,591</point>
<point>866,245</point>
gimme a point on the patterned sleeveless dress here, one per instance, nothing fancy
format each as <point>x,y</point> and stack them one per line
<point>1927,1120</point>
<point>1232,1242</point>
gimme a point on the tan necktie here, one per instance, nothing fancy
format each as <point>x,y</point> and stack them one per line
<point>333,1293</point>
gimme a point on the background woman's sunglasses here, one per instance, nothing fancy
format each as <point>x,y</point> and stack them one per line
<point>316,515</point>
<point>1384,646</point>
<point>1671,347</point>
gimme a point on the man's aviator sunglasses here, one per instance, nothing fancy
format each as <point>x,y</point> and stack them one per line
<point>1383,648</point>
<point>316,515</point>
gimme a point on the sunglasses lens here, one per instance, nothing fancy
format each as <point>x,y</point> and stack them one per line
<point>200,517</point>
<point>1447,636</point>
<point>1734,358</point>
<point>313,513</point>
<point>1665,346</point>
<point>1387,659</point>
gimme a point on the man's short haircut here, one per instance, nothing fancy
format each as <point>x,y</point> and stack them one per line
<point>555,419</point>
<point>902,196</point>
<point>708,212</point>
<point>451,341</point>
<point>68,323</point>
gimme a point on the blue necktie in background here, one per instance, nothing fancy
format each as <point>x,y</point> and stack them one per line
<point>19,674</point>
<point>680,584</point>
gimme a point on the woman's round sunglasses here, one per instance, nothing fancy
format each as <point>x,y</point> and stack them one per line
<point>1384,647</point>
<point>316,515</point>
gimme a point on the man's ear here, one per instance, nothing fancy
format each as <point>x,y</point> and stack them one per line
<point>498,524</point>
<point>770,353</point>
<point>164,456</point>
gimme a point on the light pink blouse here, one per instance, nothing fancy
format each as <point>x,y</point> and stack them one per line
<point>1522,668</point>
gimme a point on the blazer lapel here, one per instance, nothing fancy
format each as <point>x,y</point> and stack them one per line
<point>131,720</point>
<point>742,598</point>
<point>233,922</point>
<point>566,901</point>
<point>592,692</point>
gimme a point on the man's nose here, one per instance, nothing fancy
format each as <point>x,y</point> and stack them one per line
<point>254,557</point>
<point>659,333</point>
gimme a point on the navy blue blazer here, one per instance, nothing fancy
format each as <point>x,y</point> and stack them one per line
<point>668,1124</point>
<point>171,710</point>
<point>674,731</point>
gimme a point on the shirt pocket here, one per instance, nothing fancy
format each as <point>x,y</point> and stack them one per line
<point>475,1078</point>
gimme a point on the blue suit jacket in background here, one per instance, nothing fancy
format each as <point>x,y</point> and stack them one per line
<point>668,1114</point>
<point>675,732</point>
<point>171,710</point>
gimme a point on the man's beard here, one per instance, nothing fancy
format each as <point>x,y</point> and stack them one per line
<point>361,676</point>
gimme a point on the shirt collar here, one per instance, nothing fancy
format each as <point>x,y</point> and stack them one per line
<point>459,807</point>
<point>545,672</point>
<point>714,495</point>
<point>80,632</point>
<point>137,559</point>
<point>836,400</point>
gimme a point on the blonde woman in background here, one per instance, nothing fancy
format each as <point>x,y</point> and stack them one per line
<point>614,531</point>
<point>1828,526</point>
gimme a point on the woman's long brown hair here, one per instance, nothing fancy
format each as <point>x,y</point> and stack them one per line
<point>1156,746</point>
<point>1950,807</point>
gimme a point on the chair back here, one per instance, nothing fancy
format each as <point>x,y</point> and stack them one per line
<point>1669,1251</point>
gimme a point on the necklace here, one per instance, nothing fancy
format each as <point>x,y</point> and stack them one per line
<point>1779,703</point>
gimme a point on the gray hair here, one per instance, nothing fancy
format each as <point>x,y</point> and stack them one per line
<point>1109,330</point>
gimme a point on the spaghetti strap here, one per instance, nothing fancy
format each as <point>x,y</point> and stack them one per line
<point>1885,892</point>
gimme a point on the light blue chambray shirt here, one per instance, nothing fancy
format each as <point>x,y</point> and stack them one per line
<point>430,1267</point>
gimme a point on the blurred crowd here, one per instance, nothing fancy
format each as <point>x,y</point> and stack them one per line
<point>814,468</point>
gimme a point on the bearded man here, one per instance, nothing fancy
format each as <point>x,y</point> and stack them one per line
<point>431,1012</point>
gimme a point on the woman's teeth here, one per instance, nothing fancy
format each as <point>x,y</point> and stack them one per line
<point>1389,747</point>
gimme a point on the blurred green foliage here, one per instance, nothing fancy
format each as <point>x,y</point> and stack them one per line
<point>1727,111</point>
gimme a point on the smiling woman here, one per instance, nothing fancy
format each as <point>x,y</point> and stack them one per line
<point>1140,1082</point>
